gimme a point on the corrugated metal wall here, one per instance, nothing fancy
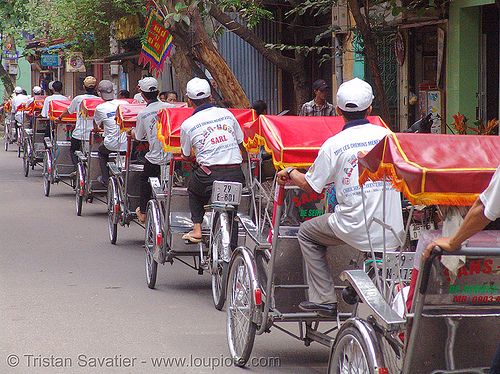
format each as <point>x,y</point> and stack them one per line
<point>258,77</point>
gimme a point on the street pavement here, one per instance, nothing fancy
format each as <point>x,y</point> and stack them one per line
<point>71,302</point>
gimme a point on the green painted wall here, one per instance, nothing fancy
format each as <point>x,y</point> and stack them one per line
<point>463,58</point>
<point>23,78</point>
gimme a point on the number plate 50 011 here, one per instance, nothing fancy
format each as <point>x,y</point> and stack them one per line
<point>226,193</point>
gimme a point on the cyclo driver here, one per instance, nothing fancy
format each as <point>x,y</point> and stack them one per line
<point>214,138</point>
<point>337,162</point>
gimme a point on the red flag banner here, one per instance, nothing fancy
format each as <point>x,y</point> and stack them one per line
<point>158,44</point>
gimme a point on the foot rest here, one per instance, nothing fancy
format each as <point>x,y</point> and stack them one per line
<point>371,296</point>
<point>156,187</point>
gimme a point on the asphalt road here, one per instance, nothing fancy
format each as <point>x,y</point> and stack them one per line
<point>70,302</point>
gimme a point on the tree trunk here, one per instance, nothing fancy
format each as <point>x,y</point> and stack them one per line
<point>206,53</point>
<point>293,66</point>
<point>6,79</point>
<point>372,58</point>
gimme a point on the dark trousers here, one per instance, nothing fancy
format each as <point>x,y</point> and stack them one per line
<point>103,153</point>
<point>200,187</point>
<point>150,170</point>
<point>495,365</point>
<point>76,145</point>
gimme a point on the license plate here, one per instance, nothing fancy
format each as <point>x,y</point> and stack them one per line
<point>402,262</point>
<point>416,228</point>
<point>226,192</point>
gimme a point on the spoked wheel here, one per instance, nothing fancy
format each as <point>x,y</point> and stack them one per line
<point>47,169</point>
<point>79,189</point>
<point>26,158</point>
<point>240,327</point>
<point>113,210</point>
<point>152,242</point>
<point>19,142</point>
<point>220,255</point>
<point>350,354</point>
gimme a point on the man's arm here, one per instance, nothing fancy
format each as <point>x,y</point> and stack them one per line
<point>296,176</point>
<point>62,115</point>
<point>244,152</point>
<point>473,223</point>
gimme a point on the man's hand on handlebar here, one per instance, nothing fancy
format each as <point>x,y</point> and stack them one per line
<point>445,243</point>
<point>283,177</point>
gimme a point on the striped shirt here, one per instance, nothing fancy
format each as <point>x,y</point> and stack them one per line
<point>312,109</point>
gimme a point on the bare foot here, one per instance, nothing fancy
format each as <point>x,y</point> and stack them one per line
<point>141,217</point>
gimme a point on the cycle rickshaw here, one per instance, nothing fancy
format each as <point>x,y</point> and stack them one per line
<point>57,164</point>
<point>265,284</point>
<point>10,129</point>
<point>19,128</point>
<point>123,184</point>
<point>88,169</point>
<point>168,215</point>
<point>445,323</point>
<point>87,185</point>
<point>33,144</point>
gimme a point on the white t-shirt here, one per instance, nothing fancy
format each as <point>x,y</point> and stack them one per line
<point>146,130</point>
<point>337,163</point>
<point>491,197</point>
<point>83,126</point>
<point>214,135</point>
<point>16,101</point>
<point>104,115</point>
<point>140,99</point>
<point>46,103</point>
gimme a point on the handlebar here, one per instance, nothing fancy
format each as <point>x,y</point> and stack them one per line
<point>423,125</point>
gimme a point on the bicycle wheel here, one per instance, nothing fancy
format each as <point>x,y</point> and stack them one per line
<point>152,241</point>
<point>219,259</point>
<point>240,327</point>
<point>79,189</point>
<point>26,158</point>
<point>113,210</point>
<point>19,142</point>
<point>350,354</point>
<point>47,170</point>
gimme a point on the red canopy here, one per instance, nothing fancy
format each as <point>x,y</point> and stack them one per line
<point>36,105</point>
<point>126,115</point>
<point>434,168</point>
<point>87,107</point>
<point>294,140</point>
<point>170,121</point>
<point>56,107</point>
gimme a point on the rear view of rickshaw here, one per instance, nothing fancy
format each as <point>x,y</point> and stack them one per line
<point>447,322</point>
<point>10,129</point>
<point>169,218</point>
<point>34,144</point>
<point>87,171</point>
<point>89,184</point>
<point>123,186</point>
<point>266,281</point>
<point>57,164</point>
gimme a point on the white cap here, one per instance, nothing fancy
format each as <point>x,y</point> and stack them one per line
<point>354,96</point>
<point>148,84</point>
<point>18,90</point>
<point>37,90</point>
<point>51,83</point>
<point>198,89</point>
